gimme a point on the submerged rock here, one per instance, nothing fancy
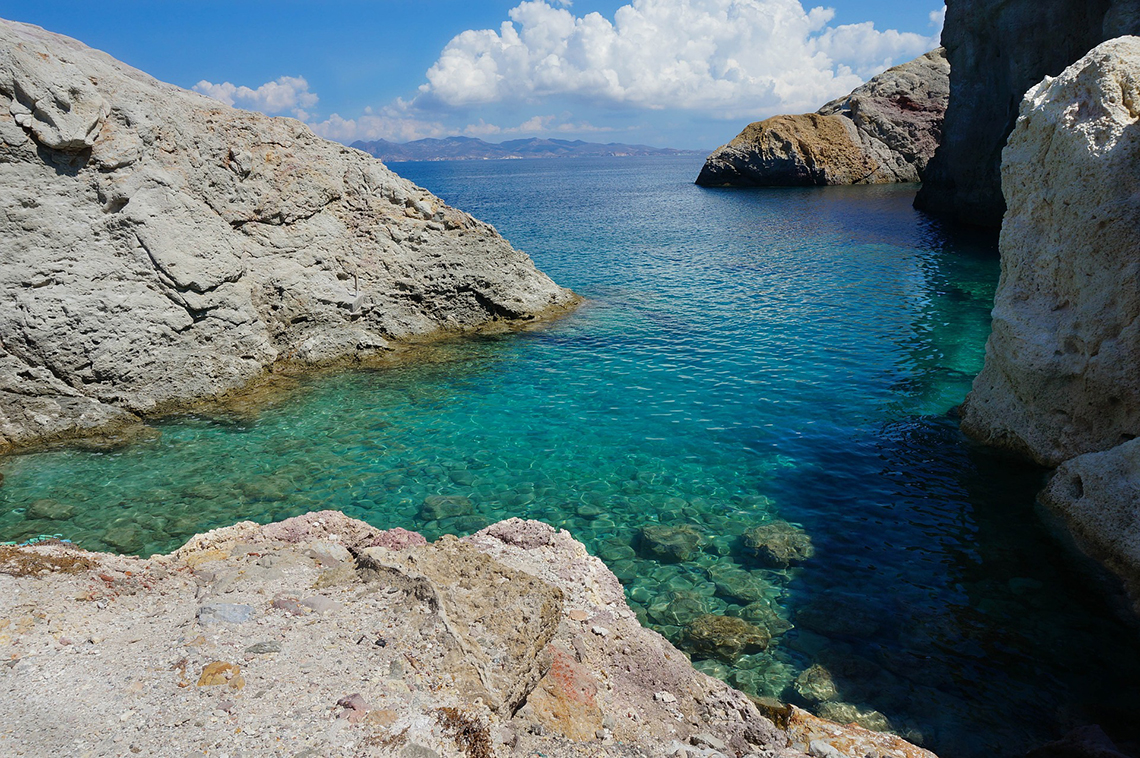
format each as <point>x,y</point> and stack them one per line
<point>50,509</point>
<point>778,544</point>
<point>816,685</point>
<point>437,507</point>
<point>725,637</point>
<point>884,131</point>
<point>163,248</point>
<point>670,543</point>
<point>735,583</point>
<point>1062,369</point>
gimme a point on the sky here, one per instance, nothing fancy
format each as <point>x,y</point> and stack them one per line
<point>668,73</point>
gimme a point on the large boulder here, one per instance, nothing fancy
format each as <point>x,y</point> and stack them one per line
<point>997,51</point>
<point>1062,368</point>
<point>884,131</point>
<point>158,247</point>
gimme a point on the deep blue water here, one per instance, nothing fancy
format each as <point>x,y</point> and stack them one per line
<point>743,356</point>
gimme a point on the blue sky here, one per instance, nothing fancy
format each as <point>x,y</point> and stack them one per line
<point>680,73</point>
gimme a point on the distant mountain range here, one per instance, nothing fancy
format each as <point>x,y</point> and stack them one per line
<point>469,148</point>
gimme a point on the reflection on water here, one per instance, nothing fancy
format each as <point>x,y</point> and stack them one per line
<point>745,358</point>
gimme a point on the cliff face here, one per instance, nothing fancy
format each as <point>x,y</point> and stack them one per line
<point>997,51</point>
<point>1062,374</point>
<point>158,247</point>
<point>884,131</point>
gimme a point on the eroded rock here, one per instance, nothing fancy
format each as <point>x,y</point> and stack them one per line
<point>161,248</point>
<point>884,131</point>
<point>778,544</point>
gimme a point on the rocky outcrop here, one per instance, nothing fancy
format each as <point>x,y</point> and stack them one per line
<point>1062,369</point>
<point>323,634</point>
<point>158,247</point>
<point>997,51</point>
<point>884,131</point>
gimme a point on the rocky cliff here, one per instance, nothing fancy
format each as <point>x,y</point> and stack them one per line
<point>158,247</point>
<point>321,635</point>
<point>997,51</point>
<point>1062,371</point>
<point>884,131</point>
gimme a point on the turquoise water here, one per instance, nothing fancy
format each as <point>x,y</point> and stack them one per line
<point>743,356</point>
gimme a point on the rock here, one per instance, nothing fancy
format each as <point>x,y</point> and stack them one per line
<point>884,131</point>
<point>164,248</point>
<point>220,672</point>
<point>762,614</point>
<point>849,739</point>
<point>706,740</point>
<point>565,700</point>
<point>846,713</point>
<point>724,637</point>
<point>224,613</point>
<point>436,507</point>
<point>321,604</point>
<point>997,51</point>
<point>736,583</point>
<point>681,608</point>
<point>1098,496</point>
<point>263,648</point>
<point>778,544</point>
<point>816,685</point>
<point>397,539</point>
<point>1083,742</point>
<point>1062,369</point>
<point>126,538</point>
<point>49,509</point>
<point>498,619</point>
<point>835,615</point>
<point>669,543</point>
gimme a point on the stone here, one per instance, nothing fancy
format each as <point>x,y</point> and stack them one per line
<point>778,544</point>
<point>1062,369</point>
<point>224,613</point>
<point>849,739</point>
<point>126,538</point>
<point>498,620</point>
<point>835,615</point>
<point>762,614</point>
<point>724,637</point>
<point>735,583</point>
<point>816,685</point>
<point>263,648</point>
<point>565,700</point>
<point>997,51</point>
<point>1098,497</point>
<point>884,131</point>
<point>163,248</point>
<point>220,672</point>
<point>681,608</point>
<point>45,508</point>
<point>321,604</point>
<point>669,543</point>
<point>397,539</point>
<point>436,507</point>
<point>847,713</point>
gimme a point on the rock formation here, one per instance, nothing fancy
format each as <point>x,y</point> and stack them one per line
<point>1062,370</point>
<point>158,247</point>
<point>884,131</point>
<point>321,634</point>
<point>997,51</point>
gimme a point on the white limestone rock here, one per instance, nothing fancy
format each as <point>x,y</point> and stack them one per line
<point>1062,369</point>
<point>158,247</point>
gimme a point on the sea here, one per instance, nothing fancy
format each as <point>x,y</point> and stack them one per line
<point>741,358</point>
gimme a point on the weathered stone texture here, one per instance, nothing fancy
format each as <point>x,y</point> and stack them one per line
<point>997,51</point>
<point>884,131</point>
<point>1060,377</point>
<point>158,247</point>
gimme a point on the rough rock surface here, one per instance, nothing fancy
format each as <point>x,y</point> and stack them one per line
<point>997,51</point>
<point>301,636</point>
<point>884,131</point>
<point>1062,368</point>
<point>1098,495</point>
<point>158,247</point>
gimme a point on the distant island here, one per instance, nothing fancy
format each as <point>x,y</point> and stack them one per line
<point>470,149</point>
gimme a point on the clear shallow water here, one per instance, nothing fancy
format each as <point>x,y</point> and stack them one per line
<point>743,356</point>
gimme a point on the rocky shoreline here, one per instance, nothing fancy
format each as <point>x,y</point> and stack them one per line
<point>321,635</point>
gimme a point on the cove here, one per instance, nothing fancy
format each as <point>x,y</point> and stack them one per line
<point>743,356</point>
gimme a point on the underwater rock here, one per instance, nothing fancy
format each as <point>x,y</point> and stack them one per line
<point>834,615</point>
<point>735,583</point>
<point>847,713</point>
<point>884,131</point>
<point>725,637</point>
<point>437,507</point>
<point>816,685</point>
<point>163,248</point>
<point>778,544</point>
<point>47,508</point>
<point>126,538</point>
<point>763,614</point>
<point>680,608</point>
<point>670,543</point>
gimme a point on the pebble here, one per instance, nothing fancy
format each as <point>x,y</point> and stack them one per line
<point>578,615</point>
<point>262,648</point>
<point>601,631</point>
<point>224,613</point>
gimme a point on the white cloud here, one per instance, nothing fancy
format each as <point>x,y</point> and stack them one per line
<point>732,57</point>
<point>288,94</point>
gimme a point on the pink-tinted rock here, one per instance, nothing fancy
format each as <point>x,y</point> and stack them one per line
<point>521,533</point>
<point>397,539</point>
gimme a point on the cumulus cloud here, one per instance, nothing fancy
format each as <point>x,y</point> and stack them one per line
<point>732,57</point>
<point>287,94</point>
